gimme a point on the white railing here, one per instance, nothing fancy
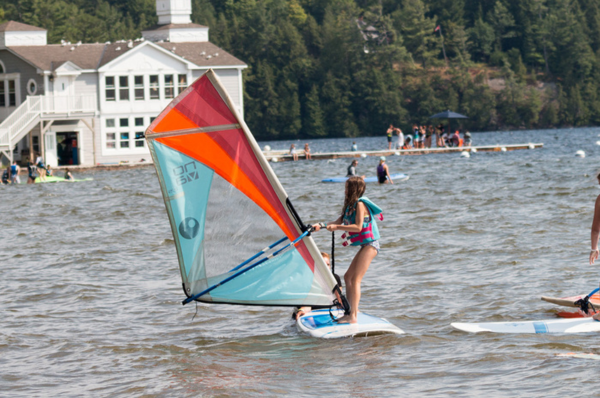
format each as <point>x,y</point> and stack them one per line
<point>21,118</point>
<point>69,104</point>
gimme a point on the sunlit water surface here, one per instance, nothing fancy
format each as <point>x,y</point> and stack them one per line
<point>91,292</point>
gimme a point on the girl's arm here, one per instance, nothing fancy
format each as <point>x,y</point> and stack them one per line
<point>336,222</point>
<point>387,171</point>
<point>361,210</point>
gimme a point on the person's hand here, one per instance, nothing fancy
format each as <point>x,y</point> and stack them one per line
<point>593,256</point>
<point>332,228</point>
<point>391,182</point>
<point>298,314</point>
<point>316,227</point>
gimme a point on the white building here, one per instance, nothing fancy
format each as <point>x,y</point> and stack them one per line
<point>89,104</point>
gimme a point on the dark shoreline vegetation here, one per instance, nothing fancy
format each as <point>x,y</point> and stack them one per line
<point>345,68</point>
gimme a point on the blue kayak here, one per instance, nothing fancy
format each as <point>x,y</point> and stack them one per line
<point>395,177</point>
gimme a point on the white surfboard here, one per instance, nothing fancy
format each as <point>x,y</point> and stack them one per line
<point>573,325</point>
<point>318,323</point>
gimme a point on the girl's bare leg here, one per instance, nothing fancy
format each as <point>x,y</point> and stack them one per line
<point>353,278</point>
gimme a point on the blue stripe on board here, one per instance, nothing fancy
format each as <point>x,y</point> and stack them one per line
<point>540,327</point>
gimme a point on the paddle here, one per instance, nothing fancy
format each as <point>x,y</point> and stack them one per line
<point>585,304</point>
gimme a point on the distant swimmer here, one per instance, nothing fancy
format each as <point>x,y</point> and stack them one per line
<point>48,171</point>
<point>298,312</point>
<point>352,169</point>
<point>383,172</point>
<point>354,147</point>
<point>14,173</point>
<point>68,175</point>
<point>39,161</point>
<point>358,221</point>
<point>32,169</point>
<point>5,176</point>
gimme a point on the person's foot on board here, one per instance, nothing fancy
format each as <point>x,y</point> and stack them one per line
<point>347,319</point>
<point>597,317</point>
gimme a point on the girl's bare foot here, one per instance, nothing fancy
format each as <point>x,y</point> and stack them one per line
<point>347,319</point>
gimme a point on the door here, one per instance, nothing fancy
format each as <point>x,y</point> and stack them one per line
<point>50,148</point>
<point>62,93</point>
<point>67,148</point>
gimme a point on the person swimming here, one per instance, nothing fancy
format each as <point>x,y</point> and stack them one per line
<point>68,175</point>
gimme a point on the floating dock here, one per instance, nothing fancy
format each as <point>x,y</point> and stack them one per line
<point>284,156</point>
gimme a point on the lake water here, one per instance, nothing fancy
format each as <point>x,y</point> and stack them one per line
<point>91,292</point>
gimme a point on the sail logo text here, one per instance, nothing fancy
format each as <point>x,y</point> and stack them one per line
<point>186,173</point>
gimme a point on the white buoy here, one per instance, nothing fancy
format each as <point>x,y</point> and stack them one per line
<point>363,155</point>
<point>465,154</point>
<point>274,160</point>
<point>531,146</point>
<point>397,153</point>
<point>597,142</point>
<point>580,154</point>
<point>267,148</point>
<point>331,161</point>
<point>503,149</point>
<point>474,150</point>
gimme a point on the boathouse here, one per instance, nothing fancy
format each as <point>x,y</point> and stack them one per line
<point>88,104</point>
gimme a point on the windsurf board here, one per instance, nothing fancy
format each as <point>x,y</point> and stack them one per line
<point>318,323</point>
<point>395,177</point>
<point>573,325</point>
<point>59,179</point>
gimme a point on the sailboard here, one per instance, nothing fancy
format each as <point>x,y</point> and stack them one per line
<point>319,324</point>
<point>574,325</point>
<point>222,196</point>
<point>395,177</point>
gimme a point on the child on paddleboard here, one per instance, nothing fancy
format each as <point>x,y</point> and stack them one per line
<point>358,222</point>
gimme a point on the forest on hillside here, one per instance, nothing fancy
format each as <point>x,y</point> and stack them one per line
<point>331,68</point>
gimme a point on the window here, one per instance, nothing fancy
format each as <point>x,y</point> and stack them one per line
<point>152,120</point>
<point>12,95</point>
<point>182,83</point>
<point>110,88</point>
<point>124,88</point>
<point>140,142</point>
<point>110,123</point>
<point>138,81</point>
<point>111,140</point>
<point>169,88</point>
<point>36,143</point>
<point>124,122</point>
<point>2,97</point>
<point>31,87</point>
<point>154,87</point>
<point>124,142</point>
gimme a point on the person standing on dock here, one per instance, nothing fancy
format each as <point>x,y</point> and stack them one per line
<point>400,138</point>
<point>383,172</point>
<point>390,135</point>
<point>468,140</point>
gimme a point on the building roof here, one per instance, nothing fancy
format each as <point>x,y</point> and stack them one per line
<point>12,26</point>
<point>175,26</point>
<point>94,56</point>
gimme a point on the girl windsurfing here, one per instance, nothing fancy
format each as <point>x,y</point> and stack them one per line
<point>358,222</point>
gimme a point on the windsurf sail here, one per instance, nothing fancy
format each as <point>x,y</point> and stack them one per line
<point>221,195</point>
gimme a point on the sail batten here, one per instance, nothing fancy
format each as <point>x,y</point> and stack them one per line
<point>198,141</point>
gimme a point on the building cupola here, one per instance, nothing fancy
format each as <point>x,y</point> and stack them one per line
<point>174,11</point>
<point>175,24</point>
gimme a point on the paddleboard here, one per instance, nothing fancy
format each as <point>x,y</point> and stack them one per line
<point>579,355</point>
<point>570,301</point>
<point>319,324</point>
<point>59,179</point>
<point>574,325</point>
<point>395,177</point>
